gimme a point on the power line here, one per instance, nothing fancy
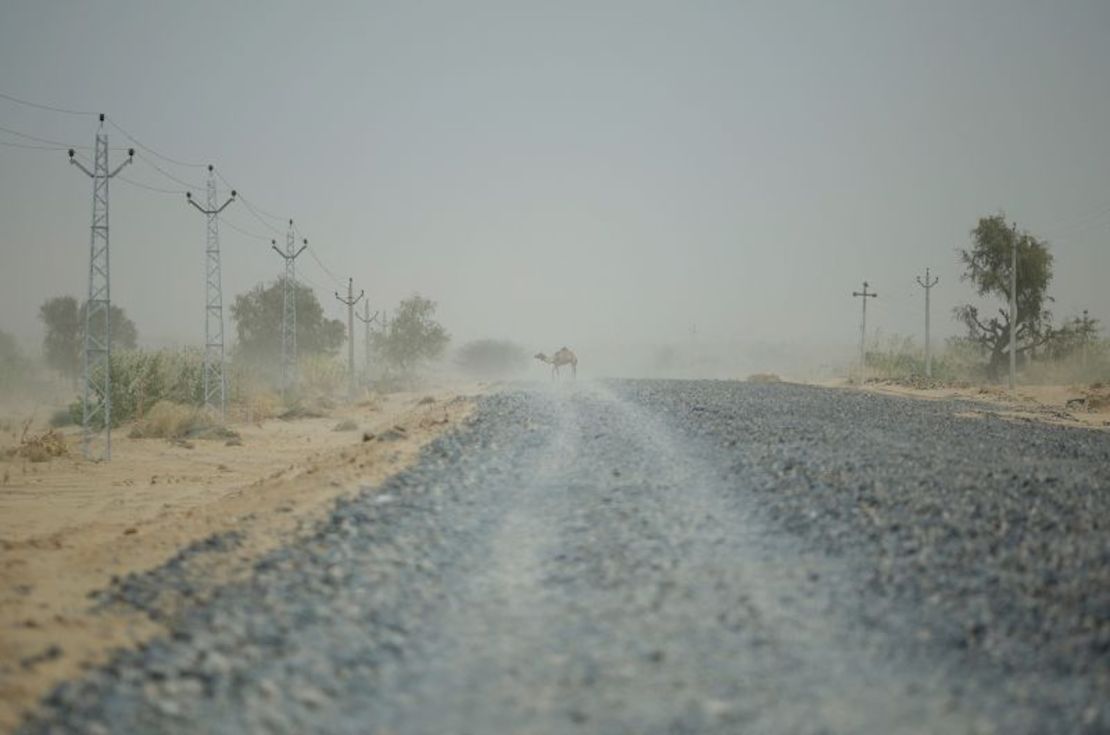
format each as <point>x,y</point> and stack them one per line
<point>166,173</point>
<point>153,152</point>
<point>1084,221</point>
<point>324,267</point>
<point>251,210</point>
<point>148,187</point>
<point>48,141</point>
<point>242,231</point>
<point>312,253</point>
<point>263,211</point>
<point>40,106</point>
<point>32,146</point>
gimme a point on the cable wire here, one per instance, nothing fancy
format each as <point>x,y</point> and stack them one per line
<point>149,187</point>
<point>151,151</point>
<point>260,209</point>
<point>32,146</point>
<point>242,231</point>
<point>257,216</point>
<point>51,108</point>
<point>320,263</point>
<point>48,141</point>
<point>167,174</point>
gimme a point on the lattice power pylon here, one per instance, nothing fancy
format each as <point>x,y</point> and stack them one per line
<point>289,310</point>
<point>215,381</point>
<point>96,397</point>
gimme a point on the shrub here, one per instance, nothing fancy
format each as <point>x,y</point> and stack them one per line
<point>61,418</point>
<point>140,379</point>
<point>169,420</point>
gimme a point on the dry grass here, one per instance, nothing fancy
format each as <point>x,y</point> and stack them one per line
<point>169,420</point>
<point>41,447</point>
<point>261,406</point>
<point>764,378</point>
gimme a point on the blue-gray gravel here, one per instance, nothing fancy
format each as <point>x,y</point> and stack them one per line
<point>659,557</point>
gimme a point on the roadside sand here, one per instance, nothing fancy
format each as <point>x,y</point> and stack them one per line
<point>69,527</point>
<point>1047,403</point>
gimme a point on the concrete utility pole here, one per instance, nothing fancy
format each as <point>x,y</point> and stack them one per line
<point>1013,303</point>
<point>927,284</point>
<point>350,301</point>
<point>289,310</point>
<point>215,383</point>
<point>366,319</point>
<point>863,328</point>
<point>1086,337</point>
<point>96,400</point>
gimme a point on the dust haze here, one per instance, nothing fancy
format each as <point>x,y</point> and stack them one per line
<point>668,188</point>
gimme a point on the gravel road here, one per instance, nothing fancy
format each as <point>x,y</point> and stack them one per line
<point>660,557</point>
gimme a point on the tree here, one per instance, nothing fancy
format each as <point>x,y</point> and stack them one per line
<point>1071,338</point>
<point>258,314</point>
<point>491,358</point>
<point>61,346</point>
<point>124,334</point>
<point>13,367</point>
<point>65,333</point>
<point>413,336</point>
<point>987,267</point>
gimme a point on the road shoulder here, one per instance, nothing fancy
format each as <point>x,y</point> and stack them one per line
<point>70,529</point>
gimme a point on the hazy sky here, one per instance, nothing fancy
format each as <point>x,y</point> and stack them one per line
<point>567,173</point>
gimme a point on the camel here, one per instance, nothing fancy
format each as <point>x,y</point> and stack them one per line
<point>564,356</point>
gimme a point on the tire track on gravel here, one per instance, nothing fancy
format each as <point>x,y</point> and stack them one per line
<point>565,564</point>
<point>621,594</point>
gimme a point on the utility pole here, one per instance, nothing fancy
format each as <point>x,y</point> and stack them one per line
<point>927,284</point>
<point>1086,337</point>
<point>1013,303</point>
<point>366,319</point>
<point>289,310</point>
<point>96,400</point>
<point>863,328</point>
<point>215,382</point>
<point>350,301</point>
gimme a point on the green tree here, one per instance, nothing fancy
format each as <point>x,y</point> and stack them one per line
<point>257,315</point>
<point>491,358</point>
<point>987,267</point>
<point>65,333</point>
<point>413,336</point>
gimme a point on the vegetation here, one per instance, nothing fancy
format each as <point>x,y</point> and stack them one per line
<point>987,266</point>
<point>257,316</point>
<point>142,378</point>
<point>491,358</point>
<point>65,333</point>
<point>413,337</point>
<point>13,366</point>
<point>169,420</point>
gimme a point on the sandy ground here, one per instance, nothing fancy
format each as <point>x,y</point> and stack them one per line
<point>1047,403</point>
<point>69,527</point>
